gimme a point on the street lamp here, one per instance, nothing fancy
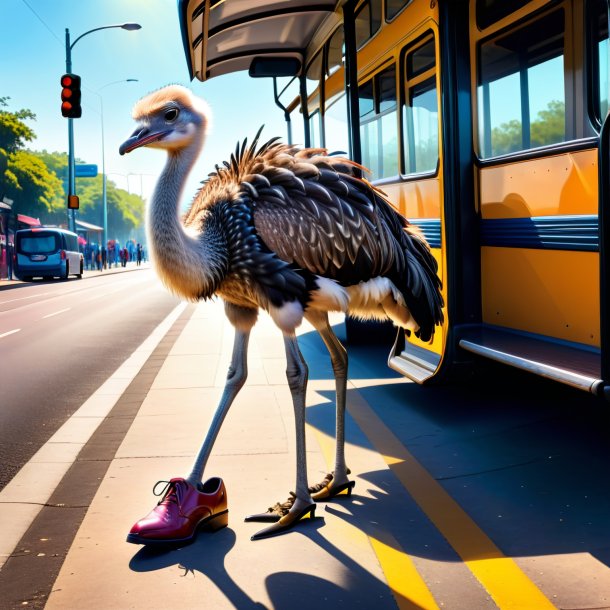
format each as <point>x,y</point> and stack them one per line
<point>69,46</point>
<point>104,199</point>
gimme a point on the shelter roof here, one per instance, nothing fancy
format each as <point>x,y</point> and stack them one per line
<point>223,36</point>
<point>88,226</point>
<point>28,220</point>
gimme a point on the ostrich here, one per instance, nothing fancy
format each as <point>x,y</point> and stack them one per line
<point>294,232</point>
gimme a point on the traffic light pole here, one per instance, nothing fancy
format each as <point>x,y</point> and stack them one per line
<point>71,172</point>
<point>71,177</point>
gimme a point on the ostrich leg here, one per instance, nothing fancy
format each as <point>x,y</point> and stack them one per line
<point>236,377</point>
<point>296,373</point>
<point>338,356</point>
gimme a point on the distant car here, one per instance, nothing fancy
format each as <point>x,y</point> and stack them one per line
<point>47,252</point>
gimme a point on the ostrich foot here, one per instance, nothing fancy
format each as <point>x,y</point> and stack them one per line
<point>328,488</point>
<point>332,486</point>
<point>274,513</point>
<point>300,510</point>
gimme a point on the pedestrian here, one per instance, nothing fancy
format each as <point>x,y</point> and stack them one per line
<point>139,255</point>
<point>110,253</point>
<point>104,258</point>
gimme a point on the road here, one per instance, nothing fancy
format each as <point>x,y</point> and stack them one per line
<point>59,341</point>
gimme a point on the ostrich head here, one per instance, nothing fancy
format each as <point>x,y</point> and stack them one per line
<point>171,118</point>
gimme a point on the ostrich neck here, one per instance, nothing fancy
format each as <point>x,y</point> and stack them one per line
<point>180,259</point>
<point>163,213</point>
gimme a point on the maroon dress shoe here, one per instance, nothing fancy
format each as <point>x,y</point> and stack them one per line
<point>181,511</point>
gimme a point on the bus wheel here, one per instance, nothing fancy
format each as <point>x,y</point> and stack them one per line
<point>80,275</point>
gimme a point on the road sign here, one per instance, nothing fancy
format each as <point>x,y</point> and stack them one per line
<point>85,171</point>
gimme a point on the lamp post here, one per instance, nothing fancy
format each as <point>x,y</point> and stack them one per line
<point>104,198</point>
<point>69,47</point>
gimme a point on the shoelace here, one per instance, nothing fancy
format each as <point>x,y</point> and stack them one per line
<point>171,492</point>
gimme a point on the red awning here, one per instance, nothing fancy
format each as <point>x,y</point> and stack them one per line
<point>28,220</point>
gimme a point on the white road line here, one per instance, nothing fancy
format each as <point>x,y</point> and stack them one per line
<point>56,313</point>
<point>24,496</point>
<point>32,296</point>
<point>10,332</point>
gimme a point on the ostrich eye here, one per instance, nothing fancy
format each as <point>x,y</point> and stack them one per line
<point>171,114</point>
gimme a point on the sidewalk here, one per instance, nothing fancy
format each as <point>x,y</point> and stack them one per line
<point>407,537</point>
<point>327,558</point>
<point>330,558</point>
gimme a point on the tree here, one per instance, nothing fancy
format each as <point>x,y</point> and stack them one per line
<point>125,210</point>
<point>24,177</point>
<point>547,128</point>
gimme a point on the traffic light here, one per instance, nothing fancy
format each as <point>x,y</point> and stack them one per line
<point>73,202</point>
<point>70,96</point>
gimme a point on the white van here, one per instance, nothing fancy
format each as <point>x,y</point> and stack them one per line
<point>47,252</point>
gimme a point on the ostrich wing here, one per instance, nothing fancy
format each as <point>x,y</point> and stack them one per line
<point>314,213</point>
<point>323,220</point>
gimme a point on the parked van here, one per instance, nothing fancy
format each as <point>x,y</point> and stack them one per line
<point>47,252</point>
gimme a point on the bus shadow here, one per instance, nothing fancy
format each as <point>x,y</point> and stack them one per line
<point>524,457</point>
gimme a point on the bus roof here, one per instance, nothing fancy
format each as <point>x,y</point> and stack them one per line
<point>223,36</point>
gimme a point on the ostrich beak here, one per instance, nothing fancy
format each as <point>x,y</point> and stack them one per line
<point>141,137</point>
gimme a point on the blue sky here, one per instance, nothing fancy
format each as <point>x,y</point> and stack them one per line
<point>32,60</point>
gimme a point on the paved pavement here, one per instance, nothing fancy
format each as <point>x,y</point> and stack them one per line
<point>329,557</point>
<point>399,541</point>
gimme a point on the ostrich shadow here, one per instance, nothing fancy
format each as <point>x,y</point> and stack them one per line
<point>200,556</point>
<point>358,588</point>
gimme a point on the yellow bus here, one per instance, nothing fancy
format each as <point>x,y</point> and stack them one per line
<point>484,122</point>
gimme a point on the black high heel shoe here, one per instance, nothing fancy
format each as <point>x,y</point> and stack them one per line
<point>287,522</point>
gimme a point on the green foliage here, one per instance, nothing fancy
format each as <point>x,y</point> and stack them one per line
<point>14,133</point>
<point>36,191</point>
<point>125,210</point>
<point>547,128</point>
<point>24,177</point>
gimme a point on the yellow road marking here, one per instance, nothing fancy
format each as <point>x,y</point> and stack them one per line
<point>408,587</point>
<point>503,579</point>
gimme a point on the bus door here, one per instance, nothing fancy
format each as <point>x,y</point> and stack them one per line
<point>537,177</point>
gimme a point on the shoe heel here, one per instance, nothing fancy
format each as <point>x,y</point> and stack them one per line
<point>347,488</point>
<point>218,522</point>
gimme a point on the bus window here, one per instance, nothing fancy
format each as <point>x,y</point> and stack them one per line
<point>599,47</point>
<point>336,52</point>
<point>420,112</point>
<point>314,73</point>
<point>421,59</point>
<point>336,133</point>
<point>378,130</point>
<point>297,126</point>
<point>521,92</point>
<point>315,131</point>
<point>393,7</point>
<point>368,21</point>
